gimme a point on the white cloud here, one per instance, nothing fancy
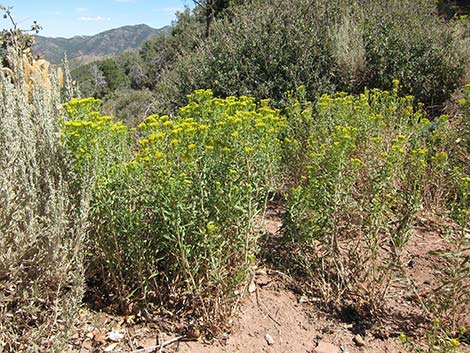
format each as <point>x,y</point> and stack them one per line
<point>81,9</point>
<point>168,9</point>
<point>96,18</point>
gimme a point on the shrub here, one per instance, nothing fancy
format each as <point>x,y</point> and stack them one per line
<point>266,48</point>
<point>129,106</point>
<point>406,40</point>
<point>352,212</point>
<point>449,300</point>
<point>263,49</point>
<point>42,222</point>
<point>173,224</point>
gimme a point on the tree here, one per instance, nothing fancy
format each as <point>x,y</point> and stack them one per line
<point>135,69</point>
<point>211,9</point>
<point>98,81</point>
<point>114,74</point>
<point>16,38</point>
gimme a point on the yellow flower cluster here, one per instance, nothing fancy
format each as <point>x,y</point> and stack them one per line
<point>88,133</point>
<point>207,125</point>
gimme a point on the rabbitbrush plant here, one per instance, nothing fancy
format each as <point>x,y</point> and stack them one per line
<point>351,213</point>
<point>450,299</point>
<point>173,213</point>
<point>42,223</point>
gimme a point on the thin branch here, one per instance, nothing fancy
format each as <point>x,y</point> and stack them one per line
<point>159,346</point>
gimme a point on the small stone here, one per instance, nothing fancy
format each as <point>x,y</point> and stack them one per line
<point>193,333</point>
<point>115,336</point>
<point>325,347</point>
<point>359,341</point>
<point>269,339</point>
<point>252,287</point>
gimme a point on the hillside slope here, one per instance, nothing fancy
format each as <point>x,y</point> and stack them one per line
<point>82,49</point>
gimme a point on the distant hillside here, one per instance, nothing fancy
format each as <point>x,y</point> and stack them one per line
<point>83,49</point>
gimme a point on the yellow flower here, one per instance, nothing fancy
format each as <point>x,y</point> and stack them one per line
<point>157,136</point>
<point>454,342</point>
<point>398,149</point>
<point>378,140</point>
<point>177,131</point>
<point>191,146</point>
<point>159,155</point>
<point>357,163</point>
<point>211,226</point>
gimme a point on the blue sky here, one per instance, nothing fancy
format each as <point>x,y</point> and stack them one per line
<point>68,18</point>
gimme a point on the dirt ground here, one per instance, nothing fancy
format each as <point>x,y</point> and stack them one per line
<point>273,318</point>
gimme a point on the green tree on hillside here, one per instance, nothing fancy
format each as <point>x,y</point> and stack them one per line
<point>114,74</point>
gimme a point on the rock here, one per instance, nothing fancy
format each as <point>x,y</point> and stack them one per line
<point>193,333</point>
<point>359,341</point>
<point>252,287</point>
<point>325,347</point>
<point>269,339</point>
<point>115,336</point>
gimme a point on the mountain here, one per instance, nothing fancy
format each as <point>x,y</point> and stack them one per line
<point>83,49</point>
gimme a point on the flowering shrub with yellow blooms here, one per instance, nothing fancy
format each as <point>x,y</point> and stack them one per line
<point>368,158</point>
<point>174,219</point>
<point>96,141</point>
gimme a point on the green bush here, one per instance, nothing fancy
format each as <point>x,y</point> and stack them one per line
<point>129,106</point>
<point>173,224</point>
<point>266,48</point>
<point>449,300</point>
<point>263,49</point>
<point>351,214</point>
<point>406,40</point>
